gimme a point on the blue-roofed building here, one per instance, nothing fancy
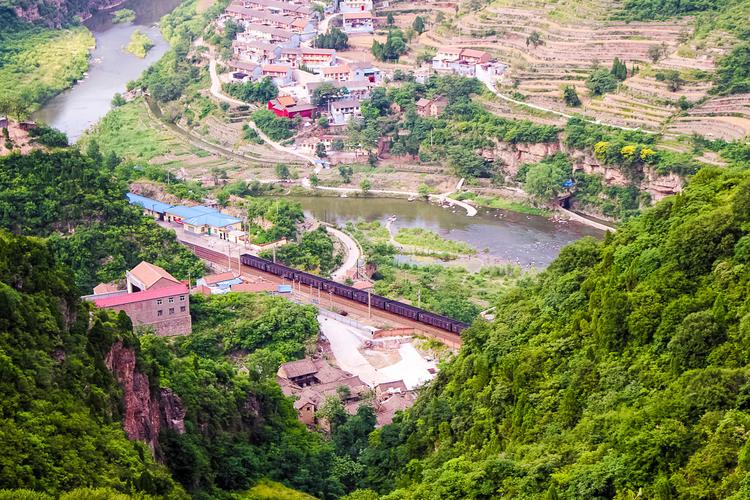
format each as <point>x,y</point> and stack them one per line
<point>151,207</point>
<point>180,213</point>
<point>213,224</point>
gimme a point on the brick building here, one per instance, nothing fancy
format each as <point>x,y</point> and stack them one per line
<point>166,310</point>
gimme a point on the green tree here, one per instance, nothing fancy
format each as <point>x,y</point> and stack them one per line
<point>601,82</point>
<point>346,173</point>
<point>365,186</point>
<point>418,25</point>
<point>544,180</point>
<point>570,96</point>
<point>282,171</point>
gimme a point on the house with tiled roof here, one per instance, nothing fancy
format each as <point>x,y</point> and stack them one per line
<point>359,22</point>
<point>147,276</point>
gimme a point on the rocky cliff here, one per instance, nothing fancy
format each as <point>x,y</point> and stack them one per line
<point>56,13</point>
<point>145,412</point>
<point>515,155</point>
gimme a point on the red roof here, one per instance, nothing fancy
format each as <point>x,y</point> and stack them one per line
<point>129,298</point>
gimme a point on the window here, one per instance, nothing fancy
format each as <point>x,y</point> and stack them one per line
<point>159,312</point>
<point>182,298</point>
<point>182,309</point>
<point>158,302</point>
<point>171,300</point>
<point>171,310</point>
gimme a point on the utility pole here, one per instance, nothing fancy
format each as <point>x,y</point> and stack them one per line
<point>369,305</point>
<point>273,248</point>
<point>419,298</point>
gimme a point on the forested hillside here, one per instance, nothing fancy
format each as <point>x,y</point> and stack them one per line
<point>79,203</point>
<point>621,371</point>
<point>59,405</point>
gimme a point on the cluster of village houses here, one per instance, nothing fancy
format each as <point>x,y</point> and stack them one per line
<point>277,43</point>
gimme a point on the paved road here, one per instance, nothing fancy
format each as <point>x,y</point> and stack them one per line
<point>353,254</point>
<point>345,341</point>
<point>217,93</point>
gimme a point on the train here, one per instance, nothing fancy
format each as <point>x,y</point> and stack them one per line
<point>351,293</point>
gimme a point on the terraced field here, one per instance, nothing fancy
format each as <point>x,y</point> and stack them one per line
<point>579,36</point>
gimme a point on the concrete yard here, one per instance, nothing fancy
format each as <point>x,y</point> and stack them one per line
<point>346,341</point>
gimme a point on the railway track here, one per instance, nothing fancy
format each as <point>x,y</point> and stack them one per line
<point>334,302</point>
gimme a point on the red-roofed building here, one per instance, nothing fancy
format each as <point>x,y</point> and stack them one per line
<point>166,309</point>
<point>288,107</point>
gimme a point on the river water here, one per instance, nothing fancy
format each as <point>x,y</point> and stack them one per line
<point>84,104</point>
<point>526,240</point>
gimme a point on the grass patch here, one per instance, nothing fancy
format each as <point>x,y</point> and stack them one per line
<point>131,133</point>
<point>503,204</point>
<point>429,240</point>
<point>36,64</point>
<point>139,44</point>
<point>123,16</point>
<point>270,490</point>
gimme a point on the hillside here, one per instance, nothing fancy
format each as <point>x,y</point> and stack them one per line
<point>620,371</point>
<point>676,54</point>
<point>76,201</point>
<point>61,415</point>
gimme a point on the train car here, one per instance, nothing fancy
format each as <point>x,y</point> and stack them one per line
<point>376,301</point>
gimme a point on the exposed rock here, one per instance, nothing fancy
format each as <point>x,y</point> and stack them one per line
<point>515,155</point>
<point>56,13</point>
<point>172,411</point>
<point>142,414</point>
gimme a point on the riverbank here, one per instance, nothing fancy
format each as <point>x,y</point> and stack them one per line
<point>36,64</point>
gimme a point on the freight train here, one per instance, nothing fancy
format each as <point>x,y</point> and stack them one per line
<point>376,301</point>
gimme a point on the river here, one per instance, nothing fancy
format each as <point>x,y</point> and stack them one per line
<point>84,104</point>
<point>498,235</point>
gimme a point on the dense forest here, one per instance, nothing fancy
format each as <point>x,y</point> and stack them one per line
<point>79,202</point>
<point>621,371</point>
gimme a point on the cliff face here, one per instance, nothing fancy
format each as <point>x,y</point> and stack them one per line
<point>515,155</point>
<point>146,413</point>
<point>56,13</point>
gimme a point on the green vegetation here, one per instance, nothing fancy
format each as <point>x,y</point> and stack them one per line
<point>601,82</point>
<point>273,126</point>
<point>334,39</point>
<point>37,63</point>
<point>431,241</point>
<point>544,180</point>
<point>621,369</point>
<point>449,290</point>
<point>502,203</point>
<point>74,201</point>
<point>123,16</point>
<point>270,490</point>
<point>647,10</point>
<point>314,253</point>
<point>733,73</point>
<point>271,219</point>
<point>129,132</point>
<point>393,48</point>
<point>262,91</point>
<point>139,44</point>
<point>62,422</point>
<point>570,96</point>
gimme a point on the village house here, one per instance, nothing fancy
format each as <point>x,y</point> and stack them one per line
<point>279,7</point>
<point>364,71</point>
<point>147,276</point>
<point>212,224</point>
<point>340,73</point>
<point>178,214</point>
<point>288,107</point>
<point>151,208</point>
<point>431,107</point>
<point>301,372</point>
<point>255,51</point>
<point>347,6</point>
<point>154,300</point>
<point>270,35</point>
<point>220,283</point>
<point>306,56</point>
<point>342,111</point>
<point>359,22</point>
<point>280,74</point>
<point>359,89</point>
<point>244,71</point>
<point>259,287</point>
<point>467,62</point>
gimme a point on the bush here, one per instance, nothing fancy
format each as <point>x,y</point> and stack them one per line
<point>601,82</point>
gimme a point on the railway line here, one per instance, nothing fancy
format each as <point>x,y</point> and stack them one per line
<point>335,303</point>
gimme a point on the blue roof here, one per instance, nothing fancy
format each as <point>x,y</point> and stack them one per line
<point>148,203</point>
<point>215,219</point>
<point>189,212</point>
